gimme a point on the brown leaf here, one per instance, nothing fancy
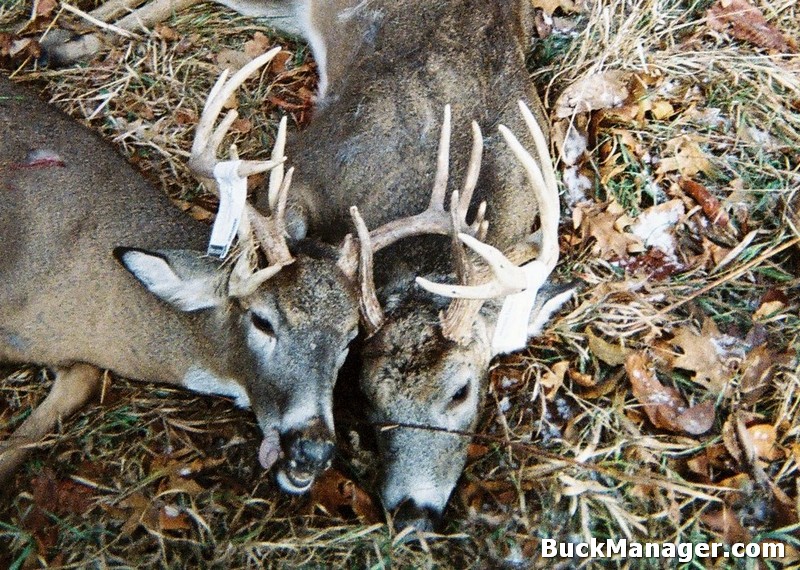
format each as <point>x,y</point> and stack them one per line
<point>763,437</point>
<point>746,22</point>
<point>171,518</point>
<point>241,126</point>
<point>698,353</point>
<point>711,206</point>
<point>166,33</point>
<point>185,116</point>
<point>664,405</point>
<point>684,155</point>
<point>339,496</point>
<point>598,91</point>
<point>258,45</point>
<point>45,8</point>
<point>724,522</point>
<point>611,354</point>
<point>604,226</point>
<point>757,372</point>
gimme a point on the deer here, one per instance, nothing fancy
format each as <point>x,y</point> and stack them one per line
<point>103,272</point>
<point>386,71</point>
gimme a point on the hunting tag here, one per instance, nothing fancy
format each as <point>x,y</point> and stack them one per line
<point>511,332</point>
<point>232,198</point>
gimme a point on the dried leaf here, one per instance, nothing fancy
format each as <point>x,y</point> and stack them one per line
<point>664,405</point>
<point>172,518</point>
<point>166,33</point>
<point>553,379</point>
<point>711,206</point>
<point>258,45</point>
<point>757,372</point>
<point>724,522</point>
<point>603,226</point>
<point>45,8</point>
<point>746,22</point>
<point>764,438</point>
<point>684,155</point>
<point>339,496</point>
<point>701,353</point>
<point>598,91</point>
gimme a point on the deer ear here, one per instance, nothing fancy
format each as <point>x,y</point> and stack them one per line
<point>187,280</point>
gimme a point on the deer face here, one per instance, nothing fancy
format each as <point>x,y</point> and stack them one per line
<point>412,375</point>
<point>277,349</point>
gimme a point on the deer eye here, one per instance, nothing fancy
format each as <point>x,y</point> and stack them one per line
<point>460,395</point>
<point>262,324</point>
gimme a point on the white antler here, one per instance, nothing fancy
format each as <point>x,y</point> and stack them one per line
<point>518,284</point>
<point>207,139</point>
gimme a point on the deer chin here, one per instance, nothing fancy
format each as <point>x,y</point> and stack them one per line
<point>294,482</point>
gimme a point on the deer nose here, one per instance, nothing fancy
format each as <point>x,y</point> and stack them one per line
<point>314,452</point>
<point>309,453</point>
<point>424,518</point>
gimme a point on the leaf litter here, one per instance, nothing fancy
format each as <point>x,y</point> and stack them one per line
<point>669,387</point>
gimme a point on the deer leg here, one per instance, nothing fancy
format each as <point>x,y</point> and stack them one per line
<point>73,387</point>
<point>64,48</point>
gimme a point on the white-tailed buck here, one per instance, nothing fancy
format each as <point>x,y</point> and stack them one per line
<point>388,68</point>
<point>163,311</point>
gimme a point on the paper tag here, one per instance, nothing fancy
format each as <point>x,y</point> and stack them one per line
<point>232,198</point>
<point>511,332</point>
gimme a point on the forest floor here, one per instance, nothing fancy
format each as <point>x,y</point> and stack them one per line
<point>663,404</point>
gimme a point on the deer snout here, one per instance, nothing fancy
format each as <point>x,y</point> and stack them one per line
<point>422,517</point>
<point>307,453</point>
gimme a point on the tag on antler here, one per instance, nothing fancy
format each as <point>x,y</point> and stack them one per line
<point>232,198</point>
<point>511,332</point>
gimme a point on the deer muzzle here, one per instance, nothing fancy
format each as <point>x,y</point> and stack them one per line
<point>307,453</point>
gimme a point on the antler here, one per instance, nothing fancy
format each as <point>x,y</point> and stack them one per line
<point>434,220</point>
<point>255,229</point>
<point>207,139</point>
<point>508,278</point>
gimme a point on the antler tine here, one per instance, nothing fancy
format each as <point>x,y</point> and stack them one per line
<point>543,183</point>
<point>270,231</point>
<point>276,174</point>
<point>442,164</point>
<point>370,306</point>
<point>435,220</point>
<point>508,277</point>
<point>471,181</point>
<point>207,139</point>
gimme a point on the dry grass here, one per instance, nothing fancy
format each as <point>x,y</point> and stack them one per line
<point>564,459</point>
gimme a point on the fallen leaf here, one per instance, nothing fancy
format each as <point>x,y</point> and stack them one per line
<point>701,353</point>
<point>45,8</point>
<point>553,379</point>
<point>603,227</point>
<point>339,496</point>
<point>684,155</point>
<point>710,204</point>
<point>598,91</point>
<point>763,437</point>
<point>757,371</point>
<point>166,33</point>
<point>172,518</point>
<point>664,405</point>
<point>258,45</point>
<point>746,22</point>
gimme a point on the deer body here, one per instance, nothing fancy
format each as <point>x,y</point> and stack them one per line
<point>69,201</point>
<point>372,142</point>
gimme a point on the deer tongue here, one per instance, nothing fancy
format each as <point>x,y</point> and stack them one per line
<point>270,449</point>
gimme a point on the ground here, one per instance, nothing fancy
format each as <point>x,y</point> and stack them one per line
<point>661,405</point>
